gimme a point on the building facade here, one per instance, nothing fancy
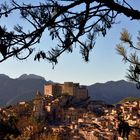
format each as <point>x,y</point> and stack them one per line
<point>38,108</point>
<point>52,90</point>
<point>68,88</point>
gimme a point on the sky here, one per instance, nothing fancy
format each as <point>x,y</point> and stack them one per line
<point>104,65</point>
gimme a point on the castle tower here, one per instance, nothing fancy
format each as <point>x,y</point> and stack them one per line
<point>38,108</point>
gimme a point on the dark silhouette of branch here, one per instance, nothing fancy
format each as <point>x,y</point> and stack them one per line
<point>65,24</point>
<point>131,56</point>
<point>129,12</point>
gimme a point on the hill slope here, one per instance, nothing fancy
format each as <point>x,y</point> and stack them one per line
<point>112,92</point>
<point>14,90</point>
<point>130,99</point>
<point>24,88</point>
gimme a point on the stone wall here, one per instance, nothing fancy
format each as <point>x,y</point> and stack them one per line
<point>68,88</point>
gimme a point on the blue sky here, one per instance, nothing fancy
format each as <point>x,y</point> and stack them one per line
<point>104,65</point>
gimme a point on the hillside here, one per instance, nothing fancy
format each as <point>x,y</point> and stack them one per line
<point>113,91</point>
<point>14,90</point>
<point>24,88</point>
<point>130,99</point>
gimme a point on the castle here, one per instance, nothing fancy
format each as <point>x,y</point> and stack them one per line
<point>52,105</point>
<point>68,88</point>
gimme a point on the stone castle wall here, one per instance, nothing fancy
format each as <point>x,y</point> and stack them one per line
<point>68,88</point>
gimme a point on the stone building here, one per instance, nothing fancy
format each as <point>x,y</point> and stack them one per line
<point>38,106</point>
<point>52,89</point>
<point>68,88</point>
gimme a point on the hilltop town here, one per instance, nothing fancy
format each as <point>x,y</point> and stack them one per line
<point>66,112</point>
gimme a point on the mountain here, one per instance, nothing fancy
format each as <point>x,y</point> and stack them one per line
<point>30,76</point>
<point>113,91</point>
<point>3,77</point>
<point>20,89</point>
<point>24,88</point>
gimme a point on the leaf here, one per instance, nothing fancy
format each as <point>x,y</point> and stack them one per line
<point>125,36</point>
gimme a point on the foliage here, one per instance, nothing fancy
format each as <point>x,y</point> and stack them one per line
<point>65,23</point>
<point>129,52</point>
<point>8,127</point>
<point>66,94</point>
<point>129,99</point>
<point>35,121</point>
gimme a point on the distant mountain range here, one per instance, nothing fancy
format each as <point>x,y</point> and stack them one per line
<point>30,76</point>
<point>20,89</point>
<point>24,88</point>
<point>113,91</point>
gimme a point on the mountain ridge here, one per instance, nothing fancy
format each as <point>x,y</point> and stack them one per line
<point>113,91</point>
<point>29,76</point>
<point>15,90</point>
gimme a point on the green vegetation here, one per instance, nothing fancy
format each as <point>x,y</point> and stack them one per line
<point>130,99</point>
